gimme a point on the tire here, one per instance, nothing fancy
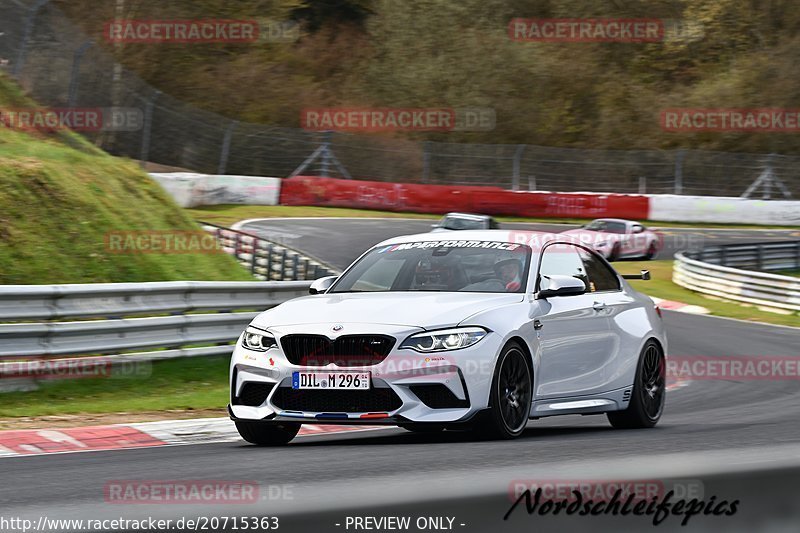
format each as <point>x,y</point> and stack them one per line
<point>265,433</point>
<point>649,392</point>
<point>651,251</point>
<point>424,428</point>
<point>509,397</point>
<point>614,255</point>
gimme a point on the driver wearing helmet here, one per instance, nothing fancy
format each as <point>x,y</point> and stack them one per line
<point>509,272</point>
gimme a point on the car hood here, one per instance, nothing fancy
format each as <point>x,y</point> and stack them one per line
<point>426,310</point>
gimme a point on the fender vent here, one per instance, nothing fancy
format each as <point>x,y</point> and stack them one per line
<point>626,395</point>
<point>438,396</point>
<point>253,394</point>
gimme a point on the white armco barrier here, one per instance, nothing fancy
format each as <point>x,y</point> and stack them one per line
<point>715,209</point>
<point>191,190</point>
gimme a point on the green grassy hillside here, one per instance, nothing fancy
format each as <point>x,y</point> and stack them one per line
<point>59,198</point>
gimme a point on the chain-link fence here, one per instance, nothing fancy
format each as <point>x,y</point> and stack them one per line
<point>60,67</point>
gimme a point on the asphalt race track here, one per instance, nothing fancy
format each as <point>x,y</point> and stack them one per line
<point>339,241</point>
<point>710,431</point>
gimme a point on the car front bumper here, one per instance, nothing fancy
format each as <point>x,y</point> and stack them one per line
<point>406,386</point>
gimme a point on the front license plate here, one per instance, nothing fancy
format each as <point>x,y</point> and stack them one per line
<point>331,380</point>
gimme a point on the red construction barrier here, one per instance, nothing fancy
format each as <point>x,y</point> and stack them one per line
<point>412,197</point>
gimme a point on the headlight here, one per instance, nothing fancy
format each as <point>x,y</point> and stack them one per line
<point>438,341</point>
<point>257,340</point>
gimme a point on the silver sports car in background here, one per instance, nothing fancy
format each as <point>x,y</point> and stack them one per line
<point>615,238</point>
<point>464,221</point>
<point>479,330</point>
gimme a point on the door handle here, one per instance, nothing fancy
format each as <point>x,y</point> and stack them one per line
<point>537,325</point>
<point>599,306</point>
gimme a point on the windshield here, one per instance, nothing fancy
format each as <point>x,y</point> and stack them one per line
<point>440,266</point>
<point>607,225</point>
<point>459,223</point>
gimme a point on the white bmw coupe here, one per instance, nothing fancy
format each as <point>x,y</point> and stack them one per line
<point>481,331</point>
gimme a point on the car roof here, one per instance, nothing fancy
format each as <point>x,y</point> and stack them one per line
<point>467,215</point>
<point>617,220</point>
<point>499,235</point>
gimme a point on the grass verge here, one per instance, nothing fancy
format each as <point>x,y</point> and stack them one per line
<point>179,384</point>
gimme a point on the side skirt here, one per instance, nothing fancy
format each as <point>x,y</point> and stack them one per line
<point>615,400</point>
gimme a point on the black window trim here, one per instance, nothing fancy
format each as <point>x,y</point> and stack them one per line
<point>608,265</point>
<point>536,283</point>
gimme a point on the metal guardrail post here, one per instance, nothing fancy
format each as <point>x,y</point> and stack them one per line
<point>26,37</point>
<point>516,167</point>
<point>226,147</point>
<point>426,161</point>
<point>797,255</point>
<point>679,157</point>
<point>295,266</point>
<point>270,250</point>
<point>147,128</point>
<point>254,257</point>
<point>759,257</point>
<point>74,76</point>
<point>326,155</point>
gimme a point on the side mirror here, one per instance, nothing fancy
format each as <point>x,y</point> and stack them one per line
<point>645,275</point>
<point>321,285</point>
<point>562,286</point>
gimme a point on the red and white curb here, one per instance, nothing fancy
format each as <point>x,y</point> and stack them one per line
<point>15,443</point>
<point>670,305</point>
